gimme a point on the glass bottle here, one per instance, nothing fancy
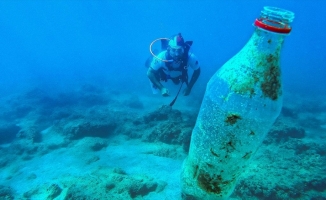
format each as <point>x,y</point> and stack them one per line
<point>241,103</point>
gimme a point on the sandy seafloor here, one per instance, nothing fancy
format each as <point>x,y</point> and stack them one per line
<point>94,143</point>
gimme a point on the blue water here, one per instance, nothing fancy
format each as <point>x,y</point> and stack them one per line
<point>59,43</point>
<point>58,47</point>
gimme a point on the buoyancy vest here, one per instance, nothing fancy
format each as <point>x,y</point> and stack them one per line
<point>183,62</point>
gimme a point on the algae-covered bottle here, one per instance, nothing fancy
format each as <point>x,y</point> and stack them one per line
<point>241,103</point>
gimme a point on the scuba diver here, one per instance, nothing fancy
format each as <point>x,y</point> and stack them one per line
<point>173,63</point>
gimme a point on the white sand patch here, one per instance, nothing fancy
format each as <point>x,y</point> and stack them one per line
<point>130,156</point>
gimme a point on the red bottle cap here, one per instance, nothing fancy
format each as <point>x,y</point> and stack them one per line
<point>279,27</point>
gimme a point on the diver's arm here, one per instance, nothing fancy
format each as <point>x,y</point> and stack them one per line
<point>193,80</point>
<point>151,75</point>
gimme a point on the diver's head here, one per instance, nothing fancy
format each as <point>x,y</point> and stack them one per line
<point>176,47</point>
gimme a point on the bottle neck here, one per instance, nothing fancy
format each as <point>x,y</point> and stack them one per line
<point>275,19</point>
<point>267,42</point>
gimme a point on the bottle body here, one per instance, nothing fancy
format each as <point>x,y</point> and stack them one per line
<point>241,102</point>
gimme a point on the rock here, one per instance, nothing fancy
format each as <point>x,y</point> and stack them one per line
<point>317,184</point>
<point>6,193</point>
<point>109,185</point>
<point>90,129</point>
<point>32,176</point>
<point>31,193</point>
<point>163,113</point>
<point>141,187</point>
<point>92,159</point>
<point>170,132</point>
<point>53,190</point>
<point>283,134</point>
<point>8,133</point>
<point>97,146</point>
<point>166,132</point>
<point>118,170</point>
<point>161,186</point>
<point>311,122</point>
<point>288,112</point>
<point>30,133</point>
<point>76,192</point>
<point>134,102</point>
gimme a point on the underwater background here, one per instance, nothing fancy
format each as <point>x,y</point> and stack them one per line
<point>78,119</point>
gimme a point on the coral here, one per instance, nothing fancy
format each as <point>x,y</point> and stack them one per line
<point>82,128</point>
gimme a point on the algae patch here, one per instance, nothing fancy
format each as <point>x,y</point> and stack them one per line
<point>232,119</point>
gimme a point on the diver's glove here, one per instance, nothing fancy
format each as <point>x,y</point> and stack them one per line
<point>165,92</point>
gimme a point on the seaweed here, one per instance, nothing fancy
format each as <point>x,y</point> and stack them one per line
<point>214,154</point>
<point>232,119</point>
<point>271,83</point>
<point>209,165</point>
<point>247,155</point>
<point>212,183</point>
<point>195,171</point>
<point>230,144</point>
